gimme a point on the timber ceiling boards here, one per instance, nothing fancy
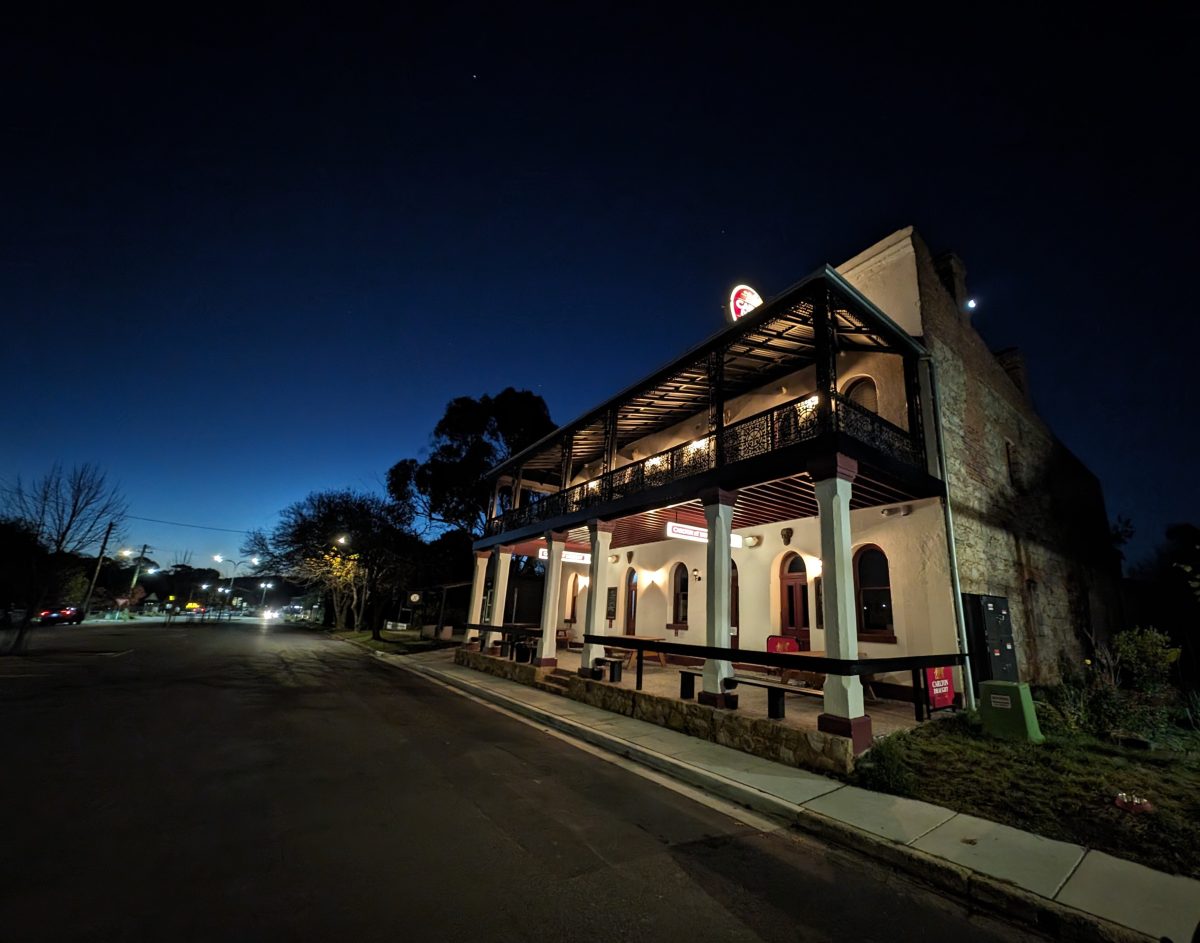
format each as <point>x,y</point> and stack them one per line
<point>773,341</point>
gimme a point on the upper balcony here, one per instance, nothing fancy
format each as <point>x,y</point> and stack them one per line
<point>719,416</point>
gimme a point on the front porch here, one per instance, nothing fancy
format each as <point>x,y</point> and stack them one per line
<point>794,740</point>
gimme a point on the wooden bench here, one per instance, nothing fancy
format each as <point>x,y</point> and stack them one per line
<point>776,691</point>
<point>687,682</point>
<point>612,664</point>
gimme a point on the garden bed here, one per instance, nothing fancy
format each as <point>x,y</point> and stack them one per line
<point>1064,789</point>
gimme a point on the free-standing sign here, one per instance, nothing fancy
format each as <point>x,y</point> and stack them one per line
<point>940,683</point>
<point>743,300</point>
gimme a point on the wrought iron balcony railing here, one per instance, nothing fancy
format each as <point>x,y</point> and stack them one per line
<point>789,424</point>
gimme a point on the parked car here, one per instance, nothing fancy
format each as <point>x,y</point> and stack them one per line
<point>71,615</point>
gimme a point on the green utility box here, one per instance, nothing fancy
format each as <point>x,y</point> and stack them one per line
<point>1006,708</point>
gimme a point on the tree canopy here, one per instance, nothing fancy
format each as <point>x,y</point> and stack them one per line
<point>472,437</point>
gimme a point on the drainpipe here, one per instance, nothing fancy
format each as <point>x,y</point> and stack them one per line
<point>956,587</point>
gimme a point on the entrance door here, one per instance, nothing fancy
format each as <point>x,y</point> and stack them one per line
<point>630,601</point>
<point>793,599</point>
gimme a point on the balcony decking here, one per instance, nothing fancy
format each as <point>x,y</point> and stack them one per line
<point>766,447</point>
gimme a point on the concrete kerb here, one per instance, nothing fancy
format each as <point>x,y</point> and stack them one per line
<point>978,891</point>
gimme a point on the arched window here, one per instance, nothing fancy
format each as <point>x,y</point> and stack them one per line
<point>572,597</point>
<point>873,594</point>
<point>679,594</point>
<point>630,601</point>
<point>793,599</point>
<point>863,392</point>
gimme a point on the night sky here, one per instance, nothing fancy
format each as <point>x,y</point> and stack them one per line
<point>244,260</point>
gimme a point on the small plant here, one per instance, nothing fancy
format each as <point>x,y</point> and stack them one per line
<point>883,768</point>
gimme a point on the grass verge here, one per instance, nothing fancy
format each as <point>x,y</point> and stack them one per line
<point>396,643</point>
<point>1063,789</point>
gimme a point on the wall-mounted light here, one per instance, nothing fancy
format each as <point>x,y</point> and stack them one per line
<point>696,574</point>
<point>752,541</point>
<point>902,511</point>
<point>614,558</point>
<point>783,389</point>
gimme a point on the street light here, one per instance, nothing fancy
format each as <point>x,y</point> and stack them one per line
<point>264,587</point>
<point>232,573</point>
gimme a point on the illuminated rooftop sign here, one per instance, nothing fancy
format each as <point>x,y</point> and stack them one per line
<point>743,300</point>
<point>698,534</point>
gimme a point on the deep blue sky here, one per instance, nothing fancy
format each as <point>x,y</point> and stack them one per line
<point>244,260</point>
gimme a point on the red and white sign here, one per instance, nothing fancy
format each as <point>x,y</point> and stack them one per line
<point>743,300</point>
<point>940,683</point>
<point>698,534</point>
<point>569,556</point>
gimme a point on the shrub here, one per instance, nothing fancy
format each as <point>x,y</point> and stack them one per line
<point>1146,657</point>
<point>883,769</point>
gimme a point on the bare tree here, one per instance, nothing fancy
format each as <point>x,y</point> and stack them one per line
<point>67,511</point>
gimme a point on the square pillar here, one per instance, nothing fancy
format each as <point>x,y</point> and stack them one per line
<point>478,585</point>
<point>843,708</point>
<point>600,535</point>
<point>547,656</point>
<point>499,594</point>
<point>718,513</point>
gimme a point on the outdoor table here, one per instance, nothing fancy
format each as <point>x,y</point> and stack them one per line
<point>629,652</point>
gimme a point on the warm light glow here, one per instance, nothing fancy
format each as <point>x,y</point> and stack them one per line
<point>698,534</point>
<point>813,567</point>
<point>342,539</point>
<point>126,553</point>
<point>657,577</point>
<point>810,402</point>
<point>569,556</point>
<point>583,582</point>
<point>698,444</point>
<point>654,461</point>
<point>593,485</point>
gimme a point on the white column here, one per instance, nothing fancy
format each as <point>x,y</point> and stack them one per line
<point>600,533</point>
<point>718,512</point>
<point>547,656</point>
<point>478,584</point>
<point>843,707</point>
<point>499,594</point>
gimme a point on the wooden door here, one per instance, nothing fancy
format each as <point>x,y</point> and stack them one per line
<point>793,600</point>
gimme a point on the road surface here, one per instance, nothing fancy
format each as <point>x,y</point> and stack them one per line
<point>254,781</point>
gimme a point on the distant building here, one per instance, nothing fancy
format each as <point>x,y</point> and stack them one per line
<point>803,439</point>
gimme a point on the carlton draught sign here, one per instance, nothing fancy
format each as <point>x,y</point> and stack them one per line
<point>940,684</point>
<point>742,300</point>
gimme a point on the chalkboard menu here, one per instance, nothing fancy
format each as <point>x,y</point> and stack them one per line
<point>611,609</point>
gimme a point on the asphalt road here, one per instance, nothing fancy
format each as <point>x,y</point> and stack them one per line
<point>259,782</point>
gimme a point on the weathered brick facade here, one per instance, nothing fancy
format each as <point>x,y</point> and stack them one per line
<point>1030,518</point>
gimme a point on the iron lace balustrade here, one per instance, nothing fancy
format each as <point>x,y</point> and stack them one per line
<point>789,424</point>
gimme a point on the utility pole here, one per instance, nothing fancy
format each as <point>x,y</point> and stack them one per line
<point>137,569</point>
<point>96,575</point>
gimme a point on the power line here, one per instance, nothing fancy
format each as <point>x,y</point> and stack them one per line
<point>155,520</point>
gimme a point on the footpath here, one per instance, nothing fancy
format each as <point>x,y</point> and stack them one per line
<point>1064,890</point>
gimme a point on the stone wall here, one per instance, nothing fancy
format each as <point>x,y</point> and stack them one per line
<point>1029,517</point>
<point>769,739</point>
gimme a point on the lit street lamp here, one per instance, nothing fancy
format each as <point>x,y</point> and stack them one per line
<point>232,574</point>
<point>264,587</point>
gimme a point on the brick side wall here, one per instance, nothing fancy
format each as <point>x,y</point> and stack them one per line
<point>1031,525</point>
